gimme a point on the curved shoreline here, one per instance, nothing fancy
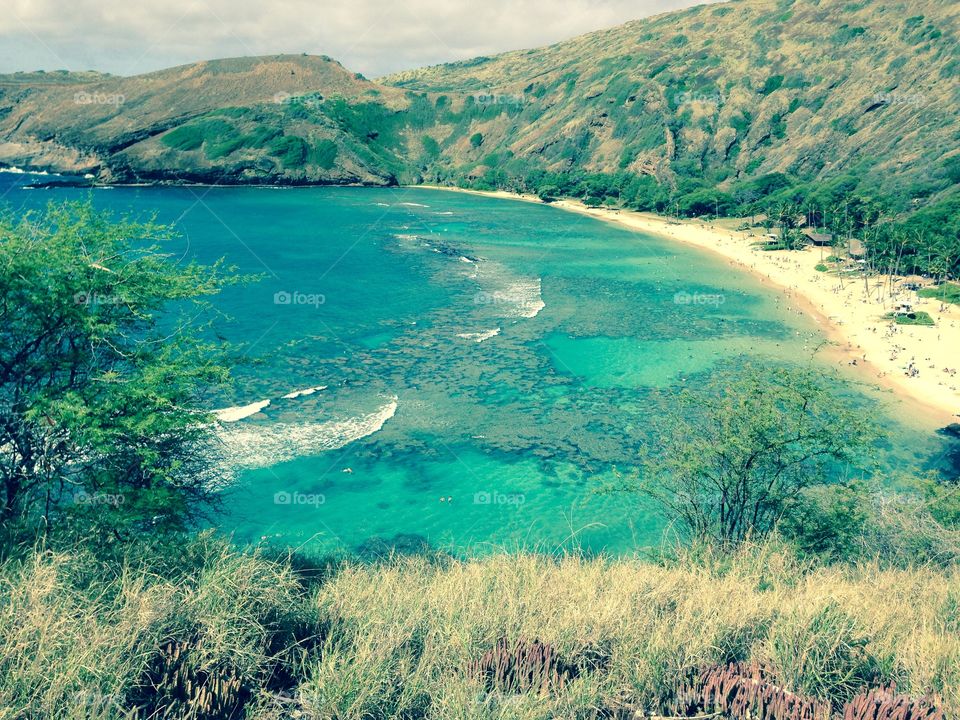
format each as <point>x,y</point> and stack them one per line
<point>850,318</point>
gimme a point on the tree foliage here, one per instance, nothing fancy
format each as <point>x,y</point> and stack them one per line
<point>101,365</point>
<point>734,457</point>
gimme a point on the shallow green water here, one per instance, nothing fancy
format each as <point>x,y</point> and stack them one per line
<point>485,363</point>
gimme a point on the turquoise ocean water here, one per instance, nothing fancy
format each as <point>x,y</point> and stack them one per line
<point>462,373</point>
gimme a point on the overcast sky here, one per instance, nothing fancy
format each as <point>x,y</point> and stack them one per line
<point>374,37</point>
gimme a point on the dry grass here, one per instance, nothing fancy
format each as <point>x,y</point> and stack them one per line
<point>398,640</point>
<point>828,631</point>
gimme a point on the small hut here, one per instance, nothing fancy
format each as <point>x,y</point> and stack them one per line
<point>820,239</point>
<point>914,282</point>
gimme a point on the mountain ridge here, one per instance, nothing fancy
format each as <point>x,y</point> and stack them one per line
<point>711,99</point>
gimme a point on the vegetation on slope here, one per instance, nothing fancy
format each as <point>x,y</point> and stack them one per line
<point>209,632</point>
<point>722,94</point>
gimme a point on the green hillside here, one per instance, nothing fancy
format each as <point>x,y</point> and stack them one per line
<point>238,120</point>
<point>822,107</point>
<point>725,93</point>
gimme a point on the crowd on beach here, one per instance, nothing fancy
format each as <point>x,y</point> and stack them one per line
<point>858,306</point>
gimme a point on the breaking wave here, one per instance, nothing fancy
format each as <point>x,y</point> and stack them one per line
<point>479,336</point>
<point>259,446</point>
<point>509,295</point>
<point>305,391</point>
<point>239,412</point>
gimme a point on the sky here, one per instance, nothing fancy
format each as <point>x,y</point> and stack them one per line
<point>375,37</point>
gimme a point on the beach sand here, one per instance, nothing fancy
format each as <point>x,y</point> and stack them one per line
<point>850,311</point>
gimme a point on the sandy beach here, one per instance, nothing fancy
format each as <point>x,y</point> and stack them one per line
<point>921,364</point>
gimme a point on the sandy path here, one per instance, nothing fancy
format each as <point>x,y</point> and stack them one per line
<point>851,313</point>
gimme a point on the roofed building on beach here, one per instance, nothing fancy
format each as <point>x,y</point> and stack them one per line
<point>914,282</point>
<point>856,248</point>
<point>817,238</point>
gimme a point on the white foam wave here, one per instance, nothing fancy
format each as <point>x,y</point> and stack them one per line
<point>239,412</point>
<point>252,447</point>
<point>305,391</point>
<point>526,296</point>
<point>14,170</point>
<point>509,294</point>
<point>479,336</point>
<point>512,296</point>
<point>410,204</point>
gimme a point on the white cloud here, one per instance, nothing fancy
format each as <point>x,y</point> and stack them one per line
<point>370,36</point>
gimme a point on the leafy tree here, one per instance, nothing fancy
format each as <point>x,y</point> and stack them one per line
<point>735,457</point>
<point>431,148</point>
<point>706,202</point>
<point>98,379</point>
<point>952,167</point>
<point>785,216</point>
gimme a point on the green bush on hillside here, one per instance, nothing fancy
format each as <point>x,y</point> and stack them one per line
<point>323,154</point>
<point>289,150</point>
<point>194,135</point>
<point>185,137</point>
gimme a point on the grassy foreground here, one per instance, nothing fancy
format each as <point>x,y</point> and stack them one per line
<point>219,633</point>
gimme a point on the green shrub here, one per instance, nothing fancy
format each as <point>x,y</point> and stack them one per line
<point>323,154</point>
<point>952,167</point>
<point>223,146</point>
<point>261,135</point>
<point>289,150</point>
<point>947,292</point>
<point>431,148</point>
<point>772,84</point>
<point>915,318</point>
<point>219,137</point>
<point>185,137</point>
